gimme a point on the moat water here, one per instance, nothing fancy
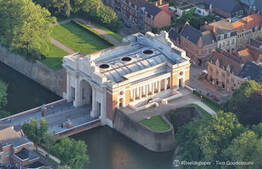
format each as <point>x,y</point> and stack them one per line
<point>107,148</point>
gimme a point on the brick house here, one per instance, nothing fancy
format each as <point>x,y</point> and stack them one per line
<point>198,44</point>
<point>155,17</point>
<point>248,28</point>
<point>141,13</point>
<point>252,51</point>
<point>223,70</point>
<point>228,71</point>
<point>128,10</point>
<point>16,149</point>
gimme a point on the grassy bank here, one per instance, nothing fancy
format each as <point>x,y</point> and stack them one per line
<point>156,123</point>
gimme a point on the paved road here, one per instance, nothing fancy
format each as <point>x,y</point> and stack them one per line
<point>195,83</point>
<point>56,116</point>
<point>163,108</point>
<point>61,46</point>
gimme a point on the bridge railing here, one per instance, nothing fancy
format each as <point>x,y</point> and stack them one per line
<point>37,109</point>
<point>77,128</point>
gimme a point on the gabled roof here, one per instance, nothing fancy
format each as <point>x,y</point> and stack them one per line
<point>227,6</point>
<point>252,71</point>
<point>225,59</point>
<point>196,36</point>
<point>152,9</point>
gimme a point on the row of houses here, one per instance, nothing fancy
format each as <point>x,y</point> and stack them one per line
<point>141,13</point>
<point>228,70</point>
<point>223,34</point>
<point>16,151</point>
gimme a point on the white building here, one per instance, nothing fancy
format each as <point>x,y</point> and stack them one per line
<point>141,68</point>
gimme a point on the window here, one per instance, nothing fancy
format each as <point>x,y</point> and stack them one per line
<point>233,41</point>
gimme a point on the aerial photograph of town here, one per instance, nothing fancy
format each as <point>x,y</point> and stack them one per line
<point>130,84</point>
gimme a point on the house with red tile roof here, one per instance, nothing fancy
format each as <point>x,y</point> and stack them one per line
<point>248,28</point>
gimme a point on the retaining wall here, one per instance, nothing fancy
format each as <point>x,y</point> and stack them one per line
<point>53,80</point>
<point>154,141</point>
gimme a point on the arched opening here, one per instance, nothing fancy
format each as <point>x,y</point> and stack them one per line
<point>86,93</point>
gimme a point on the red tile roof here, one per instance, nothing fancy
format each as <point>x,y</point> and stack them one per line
<point>248,22</point>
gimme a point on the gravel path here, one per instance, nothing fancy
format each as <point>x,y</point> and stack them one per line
<point>61,46</point>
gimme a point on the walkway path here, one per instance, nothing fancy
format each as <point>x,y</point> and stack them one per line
<point>164,108</point>
<point>100,31</point>
<point>61,46</point>
<point>55,117</point>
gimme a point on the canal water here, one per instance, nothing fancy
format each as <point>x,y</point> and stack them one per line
<point>23,93</point>
<point>107,148</point>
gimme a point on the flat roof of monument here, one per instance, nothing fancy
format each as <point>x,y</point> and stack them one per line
<point>136,58</point>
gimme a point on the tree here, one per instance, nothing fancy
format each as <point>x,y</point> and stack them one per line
<point>37,134</point>
<point>25,27</point>
<point>246,148</point>
<point>96,10</point>
<point>246,103</point>
<point>3,94</point>
<point>205,139</point>
<point>71,152</point>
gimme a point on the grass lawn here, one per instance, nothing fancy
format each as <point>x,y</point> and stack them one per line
<point>54,57</point>
<point>156,123</point>
<point>78,39</point>
<point>203,112</point>
<point>111,33</point>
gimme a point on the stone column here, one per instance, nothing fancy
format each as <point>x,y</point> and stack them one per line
<point>69,96</point>
<point>78,94</point>
<point>93,111</point>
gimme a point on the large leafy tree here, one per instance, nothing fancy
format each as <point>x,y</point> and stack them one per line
<point>220,138</point>
<point>71,152</point>
<point>245,148</point>
<point>246,103</point>
<point>25,27</point>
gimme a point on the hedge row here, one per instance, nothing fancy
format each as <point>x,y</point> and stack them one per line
<point>208,101</point>
<point>84,26</point>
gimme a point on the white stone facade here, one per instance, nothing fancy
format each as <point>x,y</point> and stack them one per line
<point>142,67</point>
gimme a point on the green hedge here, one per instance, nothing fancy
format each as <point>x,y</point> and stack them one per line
<point>84,26</point>
<point>214,105</point>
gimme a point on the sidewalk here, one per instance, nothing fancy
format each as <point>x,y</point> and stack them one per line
<point>100,31</point>
<point>61,46</point>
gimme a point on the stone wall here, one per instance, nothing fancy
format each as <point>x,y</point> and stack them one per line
<point>154,141</point>
<point>53,80</point>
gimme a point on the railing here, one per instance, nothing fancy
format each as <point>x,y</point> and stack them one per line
<point>37,109</point>
<point>78,127</point>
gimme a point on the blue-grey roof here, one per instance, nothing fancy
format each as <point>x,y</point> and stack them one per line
<point>173,35</point>
<point>225,5</point>
<point>252,71</point>
<point>254,3</point>
<point>152,9</point>
<point>194,35</point>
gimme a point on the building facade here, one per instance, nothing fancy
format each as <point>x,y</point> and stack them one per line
<point>141,13</point>
<point>142,68</point>
<point>198,44</point>
<point>223,70</point>
<point>12,141</point>
<point>248,28</point>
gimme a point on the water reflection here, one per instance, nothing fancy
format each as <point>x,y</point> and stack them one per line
<point>109,149</point>
<point>23,93</point>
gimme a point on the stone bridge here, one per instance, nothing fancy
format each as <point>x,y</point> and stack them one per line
<point>57,114</point>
